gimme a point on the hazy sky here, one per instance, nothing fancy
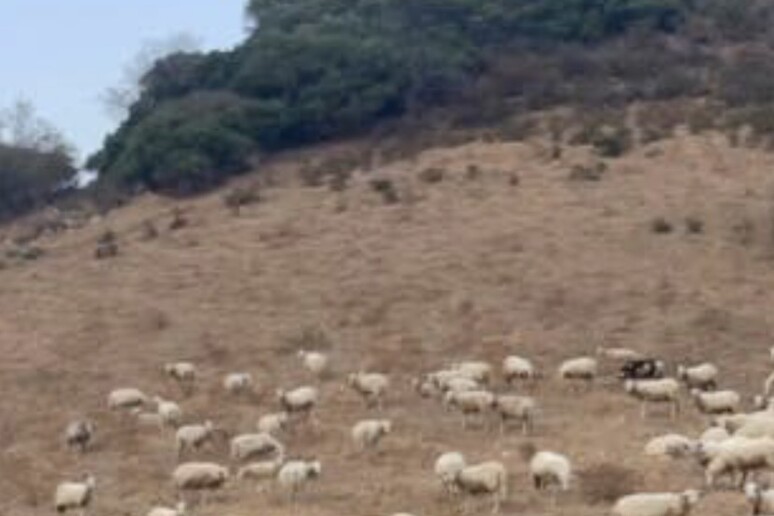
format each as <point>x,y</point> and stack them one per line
<point>62,54</point>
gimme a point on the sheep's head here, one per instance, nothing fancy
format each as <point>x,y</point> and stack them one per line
<point>630,386</point>
<point>752,491</point>
<point>280,394</point>
<point>314,469</point>
<point>180,508</point>
<point>691,497</point>
<point>90,481</point>
<point>681,371</point>
<point>387,426</point>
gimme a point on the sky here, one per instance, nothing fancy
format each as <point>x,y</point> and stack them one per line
<point>62,55</point>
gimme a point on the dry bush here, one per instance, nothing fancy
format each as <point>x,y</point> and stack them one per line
<point>604,483</point>
<point>386,189</point>
<point>309,338</point>
<point>694,225</point>
<point>179,220</point>
<point>336,170</point>
<point>473,172</point>
<point>148,231</point>
<point>240,196</point>
<point>592,172</point>
<point>107,245</point>
<point>660,225</point>
<point>431,175</point>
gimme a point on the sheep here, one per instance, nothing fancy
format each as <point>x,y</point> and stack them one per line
<point>199,476</point>
<point>237,383</point>
<point>75,495</point>
<point>642,369</point>
<point>442,378</point>
<point>301,400</point>
<point>126,398</point>
<point>315,362</point>
<point>657,504</point>
<point>263,470</point>
<point>716,402</point>
<point>79,434</point>
<point>757,427</point>
<point>183,372</point>
<point>148,419</point>
<point>714,434</point>
<point>273,423</point>
<point>193,436</point>
<point>762,500</point>
<point>518,368</point>
<point>547,468</point>
<point>476,370</point>
<point>520,408</point>
<point>582,368</point>
<point>763,403</point>
<point>446,467</point>
<point>619,354</point>
<point>170,412</point>
<point>247,446</point>
<point>739,455</point>
<point>462,384</point>
<point>768,384</point>
<point>485,478</point>
<point>294,474</point>
<point>426,387</point>
<point>733,422</point>
<point>179,510</point>
<point>703,376</point>
<point>469,402</point>
<point>664,390</point>
<point>368,433</point>
<point>670,445</point>
<point>371,386</point>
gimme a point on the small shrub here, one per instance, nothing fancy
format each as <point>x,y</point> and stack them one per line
<point>107,246</point>
<point>241,196</point>
<point>386,189</point>
<point>309,338</point>
<point>432,175</point>
<point>24,253</point>
<point>611,142</point>
<point>148,231</point>
<point>472,172</point>
<point>694,226</point>
<point>605,483</point>
<point>661,226</point>
<point>513,179</point>
<point>588,172</point>
<point>178,221</point>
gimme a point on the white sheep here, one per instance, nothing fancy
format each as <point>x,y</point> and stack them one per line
<point>714,434</point>
<point>702,376</point>
<point>768,385</point>
<point>273,423</point>
<point>247,446</point>
<point>670,445</point>
<point>75,495</point>
<point>581,368</point>
<point>547,468</point>
<point>371,386</point>
<point>148,419</point>
<point>442,378</point>
<point>757,427</point>
<point>237,383</point>
<point>618,354</point>
<point>446,467</point>
<point>657,504</point>
<point>294,474</point>
<point>762,500</point>
<point>518,368</point>
<point>301,400</point>
<point>469,403</point>
<point>518,408</point>
<point>763,403</point>
<point>461,384</point>
<point>183,372</point>
<point>477,370</point>
<point>199,476</point>
<point>733,422</point>
<point>739,455</point>
<point>426,387</point>
<point>716,402</point>
<point>179,510</point>
<point>486,478</point>
<point>314,361</point>
<point>126,398</point>
<point>79,434</point>
<point>193,436</point>
<point>368,433</point>
<point>263,470</point>
<point>663,390</point>
<point>170,412</point>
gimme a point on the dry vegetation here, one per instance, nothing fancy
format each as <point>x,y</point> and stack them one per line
<point>401,282</point>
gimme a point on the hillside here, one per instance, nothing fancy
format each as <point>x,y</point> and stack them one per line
<point>404,288</point>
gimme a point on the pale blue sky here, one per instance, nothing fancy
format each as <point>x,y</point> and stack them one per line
<point>62,54</point>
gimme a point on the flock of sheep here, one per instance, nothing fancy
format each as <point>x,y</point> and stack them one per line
<point>735,446</point>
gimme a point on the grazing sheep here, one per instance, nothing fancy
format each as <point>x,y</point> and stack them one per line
<point>75,495</point>
<point>714,434</point>
<point>518,368</point>
<point>315,362</point>
<point>582,368</point>
<point>664,390</point>
<point>446,467</point>
<point>273,423</point>
<point>294,474</point>
<point>757,427</point>
<point>762,500</point>
<point>620,354</point>
<point>487,478</point>
<point>183,372</point>
<point>642,369</point>
<point>79,434</point>
<point>476,370</point>
<point>179,510</point>
<point>547,469</point>
<point>426,387</point>
<point>670,445</point>
<point>368,433</point>
<point>193,437</point>
<point>462,384</point>
<point>301,400</point>
<point>657,504</point>
<point>716,402</point>
<point>371,386</point>
<point>247,446</point>
<point>170,412</point>
<point>739,455</point>
<point>199,476</point>
<point>440,379</point>
<point>469,403</point>
<point>237,383</point>
<point>703,376</point>
<point>733,422</point>
<point>263,470</point>
<point>519,408</point>
<point>126,398</point>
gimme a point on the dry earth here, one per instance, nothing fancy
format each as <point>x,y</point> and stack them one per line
<point>403,288</point>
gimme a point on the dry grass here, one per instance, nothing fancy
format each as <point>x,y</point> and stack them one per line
<point>404,288</point>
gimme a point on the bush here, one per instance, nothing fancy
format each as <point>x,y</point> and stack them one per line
<point>611,142</point>
<point>148,231</point>
<point>386,189</point>
<point>592,172</point>
<point>432,175</point>
<point>660,225</point>
<point>604,483</point>
<point>241,196</point>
